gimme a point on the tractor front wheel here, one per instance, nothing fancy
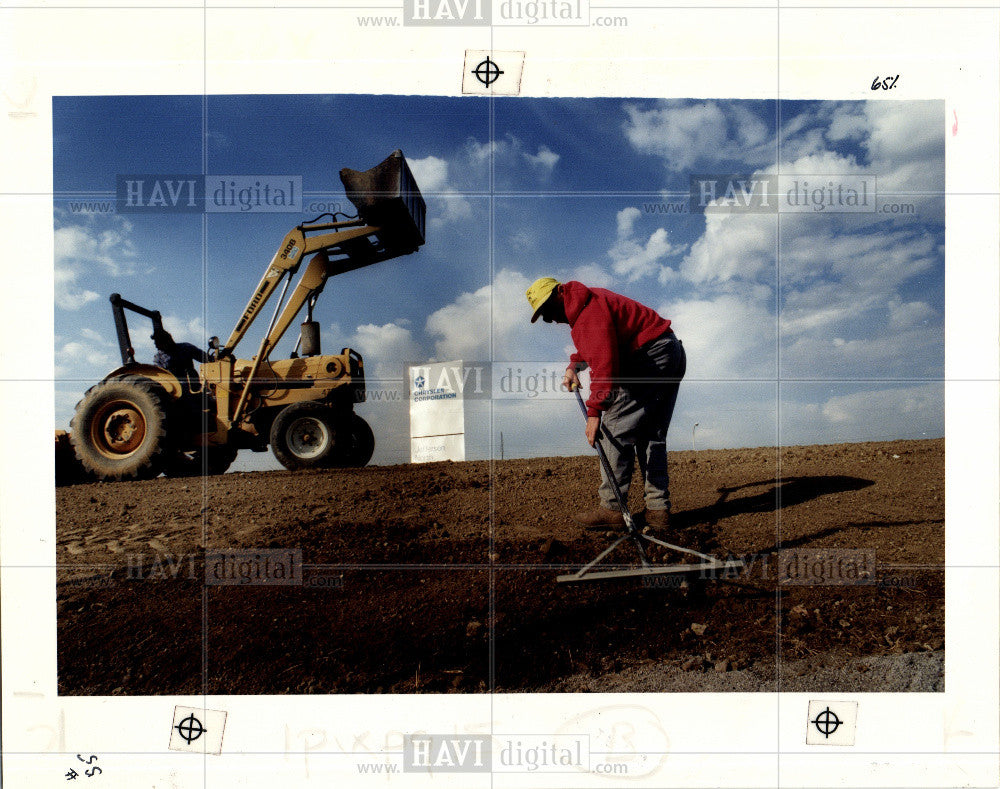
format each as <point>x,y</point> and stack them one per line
<point>303,435</point>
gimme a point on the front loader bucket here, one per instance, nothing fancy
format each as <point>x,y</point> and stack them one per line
<point>387,197</point>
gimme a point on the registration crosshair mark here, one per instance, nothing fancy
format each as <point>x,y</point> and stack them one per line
<point>827,722</point>
<point>190,728</point>
<point>487,72</point>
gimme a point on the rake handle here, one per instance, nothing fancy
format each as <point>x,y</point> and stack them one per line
<point>605,462</point>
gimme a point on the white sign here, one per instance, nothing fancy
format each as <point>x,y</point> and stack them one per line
<point>437,412</point>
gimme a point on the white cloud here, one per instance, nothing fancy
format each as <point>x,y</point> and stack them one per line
<point>69,295</point>
<point>903,141</point>
<point>834,285</point>
<point>847,288</point>
<point>94,336</point>
<point>81,245</point>
<point>481,152</point>
<point>452,208</point>
<point>76,359</point>
<point>509,158</point>
<point>686,135</point>
<point>185,329</point>
<point>592,275</point>
<point>729,413</point>
<point>864,263</point>
<point>389,346</point>
<point>680,134</point>
<point>430,172</point>
<point>849,309</point>
<point>910,314</point>
<point>84,243</point>
<point>445,203</point>
<point>847,123</point>
<point>865,414</point>
<point>446,182</point>
<point>841,280</point>
<point>79,350</point>
<point>916,352</point>
<point>904,131</point>
<point>634,260</point>
<point>725,337</point>
<point>495,317</point>
<point>522,240</point>
<point>734,246</point>
<point>464,328</point>
<point>627,218</point>
<point>545,160</point>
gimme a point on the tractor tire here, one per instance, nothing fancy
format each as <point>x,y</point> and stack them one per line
<point>304,435</point>
<point>359,450</point>
<point>119,430</point>
<point>200,462</point>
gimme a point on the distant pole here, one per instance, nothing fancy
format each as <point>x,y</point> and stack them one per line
<point>501,445</point>
<point>692,434</point>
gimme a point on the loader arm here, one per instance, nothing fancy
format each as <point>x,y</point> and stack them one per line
<point>323,266</point>
<point>285,262</point>
<point>310,285</point>
<point>391,224</point>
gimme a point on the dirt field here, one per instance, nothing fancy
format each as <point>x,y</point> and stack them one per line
<point>441,578</point>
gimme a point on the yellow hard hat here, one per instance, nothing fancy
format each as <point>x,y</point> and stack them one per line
<point>539,293</point>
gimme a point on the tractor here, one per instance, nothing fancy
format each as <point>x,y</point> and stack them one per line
<point>142,419</point>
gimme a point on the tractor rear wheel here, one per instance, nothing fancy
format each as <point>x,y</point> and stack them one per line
<point>119,429</point>
<point>303,435</point>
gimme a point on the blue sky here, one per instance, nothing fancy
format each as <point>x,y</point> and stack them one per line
<point>800,328</point>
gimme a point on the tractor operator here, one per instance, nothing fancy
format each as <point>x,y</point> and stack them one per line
<point>177,357</point>
<point>636,365</point>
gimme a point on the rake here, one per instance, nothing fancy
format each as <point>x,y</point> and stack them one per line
<point>636,536</point>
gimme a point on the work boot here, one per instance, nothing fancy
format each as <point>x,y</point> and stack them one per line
<point>659,519</point>
<point>599,516</point>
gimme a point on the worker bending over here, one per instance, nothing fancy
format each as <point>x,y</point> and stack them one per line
<point>636,365</point>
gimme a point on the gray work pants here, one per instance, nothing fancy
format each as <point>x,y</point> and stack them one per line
<point>637,419</point>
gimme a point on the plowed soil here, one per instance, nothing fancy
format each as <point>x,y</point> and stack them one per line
<point>441,577</point>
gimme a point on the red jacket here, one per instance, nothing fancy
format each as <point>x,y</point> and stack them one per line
<point>605,327</point>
